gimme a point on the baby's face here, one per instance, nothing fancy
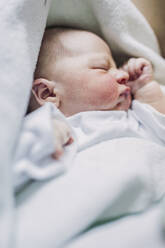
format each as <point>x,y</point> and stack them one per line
<point>89,79</point>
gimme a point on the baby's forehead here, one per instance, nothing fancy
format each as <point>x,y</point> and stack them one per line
<point>59,44</point>
<point>80,41</point>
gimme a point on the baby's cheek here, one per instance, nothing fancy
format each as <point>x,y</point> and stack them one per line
<point>109,92</point>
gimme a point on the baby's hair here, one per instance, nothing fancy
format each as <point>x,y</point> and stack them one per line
<point>52,48</point>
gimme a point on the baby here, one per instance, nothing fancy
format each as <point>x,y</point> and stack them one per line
<point>76,72</point>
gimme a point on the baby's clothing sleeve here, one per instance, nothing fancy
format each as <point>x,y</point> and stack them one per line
<point>152,120</point>
<point>36,144</point>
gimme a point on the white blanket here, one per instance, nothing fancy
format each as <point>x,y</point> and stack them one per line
<point>119,169</point>
<point>22,27</point>
<point>33,160</point>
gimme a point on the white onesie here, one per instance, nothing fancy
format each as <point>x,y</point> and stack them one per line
<point>141,121</point>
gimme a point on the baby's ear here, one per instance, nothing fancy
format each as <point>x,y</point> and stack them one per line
<point>45,91</point>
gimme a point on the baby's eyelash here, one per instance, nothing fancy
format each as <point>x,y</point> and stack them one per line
<point>106,67</point>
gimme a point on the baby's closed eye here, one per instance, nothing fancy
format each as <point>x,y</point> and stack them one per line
<point>101,66</point>
<point>100,62</point>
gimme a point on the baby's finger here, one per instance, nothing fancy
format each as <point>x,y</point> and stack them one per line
<point>148,69</point>
<point>70,141</point>
<point>131,68</point>
<point>125,67</point>
<point>58,152</point>
<point>62,132</point>
<point>66,135</point>
<point>140,64</point>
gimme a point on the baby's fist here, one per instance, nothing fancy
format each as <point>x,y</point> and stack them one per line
<point>62,137</point>
<point>140,73</point>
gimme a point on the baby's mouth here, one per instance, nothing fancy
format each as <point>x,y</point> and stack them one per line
<point>124,101</point>
<point>124,95</point>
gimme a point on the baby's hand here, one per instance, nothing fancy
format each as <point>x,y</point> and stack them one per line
<point>143,87</point>
<point>62,136</point>
<point>140,73</point>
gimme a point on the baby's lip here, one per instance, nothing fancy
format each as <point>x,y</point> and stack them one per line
<point>124,100</point>
<point>126,92</point>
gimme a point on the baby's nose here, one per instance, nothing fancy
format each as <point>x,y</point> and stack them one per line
<point>121,77</point>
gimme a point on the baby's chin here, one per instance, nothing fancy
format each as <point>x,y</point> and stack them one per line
<point>125,104</point>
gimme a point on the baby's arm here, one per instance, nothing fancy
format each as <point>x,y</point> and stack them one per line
<point>62,137</point>
<point>143,87</point>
